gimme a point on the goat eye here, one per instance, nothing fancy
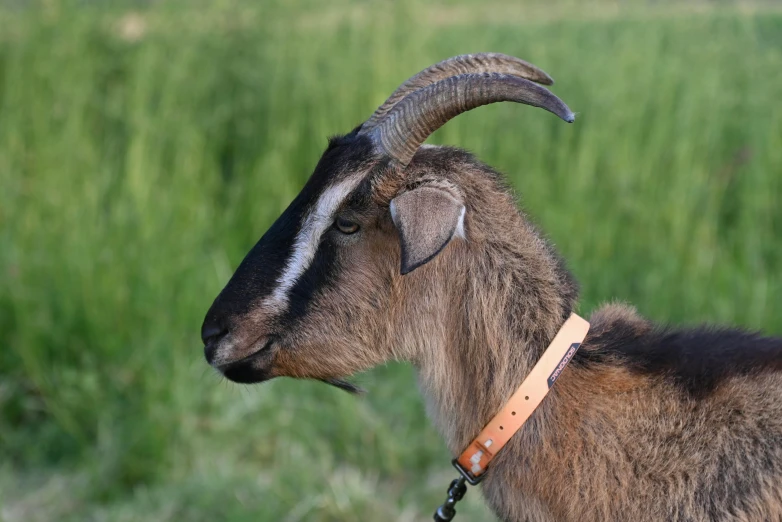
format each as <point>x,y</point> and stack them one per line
<point>346,226</point>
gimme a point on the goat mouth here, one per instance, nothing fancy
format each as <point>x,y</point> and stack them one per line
<point>247,370</point>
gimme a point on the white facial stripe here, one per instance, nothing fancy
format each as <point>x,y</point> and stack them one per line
<point>317,221</point>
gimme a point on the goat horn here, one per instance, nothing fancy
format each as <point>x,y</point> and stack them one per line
<point>421,113</point>
<point>463,64</point>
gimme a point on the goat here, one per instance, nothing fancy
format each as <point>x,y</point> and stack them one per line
<point>398,251</point>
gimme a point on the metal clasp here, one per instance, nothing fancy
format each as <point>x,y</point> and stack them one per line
<point>456,491</point>
<point>447,511</point>
<point>469,477</point>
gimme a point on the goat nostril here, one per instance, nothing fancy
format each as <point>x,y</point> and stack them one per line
<point>211,336</point>
<point>212,332</point>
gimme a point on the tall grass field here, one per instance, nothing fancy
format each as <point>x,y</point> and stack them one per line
<point>145,147</point>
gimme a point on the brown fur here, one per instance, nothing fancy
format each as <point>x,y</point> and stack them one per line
<point>609,442</point>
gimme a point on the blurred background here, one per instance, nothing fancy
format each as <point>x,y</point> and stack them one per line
<point>146,146</point>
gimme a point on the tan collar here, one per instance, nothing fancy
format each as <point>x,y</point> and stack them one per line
<point>473,461</point>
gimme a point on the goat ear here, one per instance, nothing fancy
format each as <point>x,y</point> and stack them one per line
<point>427,218</point>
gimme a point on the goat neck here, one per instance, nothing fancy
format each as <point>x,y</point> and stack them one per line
<point>481,316</point>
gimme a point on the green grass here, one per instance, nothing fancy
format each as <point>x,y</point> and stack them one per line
<point>141,155</point>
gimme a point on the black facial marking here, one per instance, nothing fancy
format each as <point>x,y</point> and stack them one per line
<point>321,273</point>
<point>260,269</point>
<point>697,359</point>
<point>362,195</point>
<point>257,275</point>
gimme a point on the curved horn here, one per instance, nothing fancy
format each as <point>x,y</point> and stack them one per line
<point>463,64</point>
<point>421,113</point>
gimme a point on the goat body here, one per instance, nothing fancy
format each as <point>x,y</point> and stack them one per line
<point>393,251</point>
